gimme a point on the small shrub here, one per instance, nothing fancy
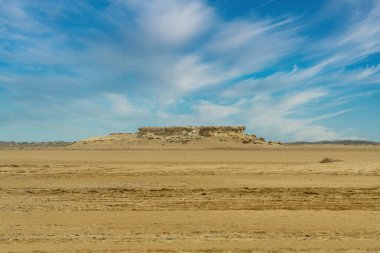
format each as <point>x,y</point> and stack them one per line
<point>329,160</point>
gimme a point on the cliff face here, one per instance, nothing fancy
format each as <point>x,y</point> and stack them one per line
<point>231,131</point>
<point>167,131</point>
<point>191,133</point>
<point>195,131</point>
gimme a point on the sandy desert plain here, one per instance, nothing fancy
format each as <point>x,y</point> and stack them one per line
<point>257,199</point>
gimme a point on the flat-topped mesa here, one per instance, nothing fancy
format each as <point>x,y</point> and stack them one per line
<point>195,136</point>
<point>201,131</point>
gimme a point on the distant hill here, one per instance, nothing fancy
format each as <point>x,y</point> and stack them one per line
<point>31,145</point>
<point>342,142</point>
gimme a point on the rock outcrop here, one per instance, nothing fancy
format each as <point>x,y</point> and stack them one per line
<point>189,133</point>
<point>194,136</point>
<point>195,131</point>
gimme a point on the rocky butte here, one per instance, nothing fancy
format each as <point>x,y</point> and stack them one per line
<point>186,134</point>
<point>197,136</point>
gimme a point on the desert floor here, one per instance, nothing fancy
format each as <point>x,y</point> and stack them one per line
<point>270,199</point>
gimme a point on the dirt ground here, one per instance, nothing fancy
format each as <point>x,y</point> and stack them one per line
<point>270,199</point>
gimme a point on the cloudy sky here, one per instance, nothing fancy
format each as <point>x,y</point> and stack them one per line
<point>287,69</point>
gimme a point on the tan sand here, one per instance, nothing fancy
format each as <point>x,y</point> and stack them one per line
<point>263,199</point>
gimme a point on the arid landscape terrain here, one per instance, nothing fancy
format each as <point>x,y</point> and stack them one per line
<point>183,198</point>
<point>189,126</point>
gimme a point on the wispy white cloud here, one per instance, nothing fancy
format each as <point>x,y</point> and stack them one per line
<point>169,22</point>
<point>277,117</point>
<point>211,112</point>
<point>121,105</point>
<point>252,46</point>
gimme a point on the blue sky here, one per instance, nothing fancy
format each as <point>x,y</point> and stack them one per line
<point>287,69</point>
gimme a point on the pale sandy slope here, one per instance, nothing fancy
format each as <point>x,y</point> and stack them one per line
<point>195,200</point>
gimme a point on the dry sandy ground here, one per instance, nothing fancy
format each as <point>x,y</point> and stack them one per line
<point>270,199</point>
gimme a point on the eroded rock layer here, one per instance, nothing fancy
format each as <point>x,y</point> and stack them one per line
<point>202,131</point>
